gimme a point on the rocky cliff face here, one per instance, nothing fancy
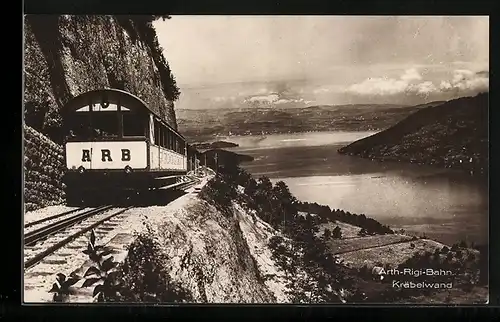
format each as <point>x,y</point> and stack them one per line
<point>218,259</point>
<point>68,55</point>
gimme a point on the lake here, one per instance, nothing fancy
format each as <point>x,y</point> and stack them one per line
<point>445,204</point>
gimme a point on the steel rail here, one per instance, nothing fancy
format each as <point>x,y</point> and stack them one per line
<point>36,222</point>
<point>50,250</point>
<point>43,232</point>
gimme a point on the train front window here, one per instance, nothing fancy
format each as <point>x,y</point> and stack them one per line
<point>105,124</point>
<point>133,124</point>
<point>81,127</point>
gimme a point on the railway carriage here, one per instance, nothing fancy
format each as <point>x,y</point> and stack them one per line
<point>117,143</point>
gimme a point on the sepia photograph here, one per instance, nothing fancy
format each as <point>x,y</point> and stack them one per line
<point>255,159</point>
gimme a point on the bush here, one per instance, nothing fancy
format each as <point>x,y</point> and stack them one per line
<point>220,194</point>
<point>145,277</point>
<point>337,233</point>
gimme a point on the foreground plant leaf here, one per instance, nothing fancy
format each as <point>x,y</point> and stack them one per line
<point>90,281</point>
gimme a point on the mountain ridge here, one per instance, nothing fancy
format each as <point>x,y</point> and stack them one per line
<point>453,134</point>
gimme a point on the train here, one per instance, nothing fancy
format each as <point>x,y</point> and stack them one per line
<point>115,143</point>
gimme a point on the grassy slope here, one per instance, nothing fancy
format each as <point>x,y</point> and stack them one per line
<point>453,134</point>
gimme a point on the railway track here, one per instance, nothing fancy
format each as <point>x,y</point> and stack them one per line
<point>37,222</point>
<point>38,245</point>
<point>190,183</point>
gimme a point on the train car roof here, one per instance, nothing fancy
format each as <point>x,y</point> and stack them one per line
<point>113,95</point>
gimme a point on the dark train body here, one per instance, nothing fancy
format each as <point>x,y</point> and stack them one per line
<point>116,143</point>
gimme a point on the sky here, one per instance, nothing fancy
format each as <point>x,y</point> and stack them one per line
<point>325,59</point>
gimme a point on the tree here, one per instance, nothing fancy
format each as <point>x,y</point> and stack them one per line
<point>362,232</point>
<point>283,203</point>
<point>337,233</point>
<point>251,188</point>
<point>327,234</point>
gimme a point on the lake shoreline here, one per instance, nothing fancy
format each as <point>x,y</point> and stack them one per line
<point>428,198</point>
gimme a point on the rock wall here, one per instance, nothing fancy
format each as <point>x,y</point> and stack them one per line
<point>68,55</point>
<point>43,170</point>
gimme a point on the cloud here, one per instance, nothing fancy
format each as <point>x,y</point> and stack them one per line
<point>424,88</point>
<point>410,75</point>
<point>467,80</point>
<point>462,80</point>
<point>219,99</point>
<point>379,86</point>
<point>389,86</point>
<point>271,98</point>
<point>328,89</point>
<point>285,101</point>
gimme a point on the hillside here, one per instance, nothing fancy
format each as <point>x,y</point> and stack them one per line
<point>235,239</point>
<point>214,145</point>
<point>224,158</point>
<point>68,55</point>
<point>453,135</point>
<point>204,125</point>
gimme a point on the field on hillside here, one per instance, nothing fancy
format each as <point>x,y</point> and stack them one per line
<point>348,231</point>
<point>392,255</point>
<point>339,246</point>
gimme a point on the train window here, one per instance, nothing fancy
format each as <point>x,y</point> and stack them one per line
<point>133,124</point>
<point>157,132</point>
<point>105,124</point>
<point>162,135</point>
<point>165,137</point>
<point>80,127</point>
<point>169,136</point>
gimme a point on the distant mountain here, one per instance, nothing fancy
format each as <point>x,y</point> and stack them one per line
<point>452,134</point>
<point>204,125</point>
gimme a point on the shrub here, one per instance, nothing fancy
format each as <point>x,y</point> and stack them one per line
<point>220,194</point>
<point>142,277</point>
<point>337,233</point>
